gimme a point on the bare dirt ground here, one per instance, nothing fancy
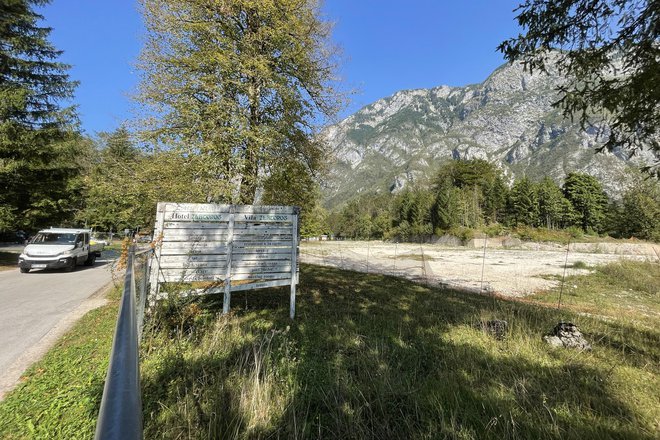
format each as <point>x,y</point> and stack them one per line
<point>513,272</point>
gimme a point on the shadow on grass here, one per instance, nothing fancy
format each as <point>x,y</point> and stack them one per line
<point>377,357</point>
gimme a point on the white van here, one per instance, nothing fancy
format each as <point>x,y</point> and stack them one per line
<point>59,248</point>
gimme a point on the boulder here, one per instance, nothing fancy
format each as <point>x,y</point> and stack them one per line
<point>511,242</point>
<point>568,335</point>
<point>449,240</point>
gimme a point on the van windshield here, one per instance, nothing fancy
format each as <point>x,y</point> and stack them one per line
<point>53,238</point>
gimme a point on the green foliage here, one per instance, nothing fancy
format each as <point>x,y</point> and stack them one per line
<point>550,201</point>
<point>468,193</point>
<point>366,217</point>
<point>523,203</point>
<point>41,153</point>
<point>445,209</point>
<point>125,184</point>
<point>639,212</point>
<point>589,41</point>
<point>293,185</point>
<point>240,84</point>
<point>412,214</point>
<point>588,199</point>
<point>471,196</point>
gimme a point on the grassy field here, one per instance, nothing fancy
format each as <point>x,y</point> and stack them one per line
<point>370,357</point>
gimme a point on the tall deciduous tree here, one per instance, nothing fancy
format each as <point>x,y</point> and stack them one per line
<point>609,52</point>
<point>294,185</point>
<point>40,149</point>
<point>639,215</point>
<point>240,83</point>
<point>125,183</point>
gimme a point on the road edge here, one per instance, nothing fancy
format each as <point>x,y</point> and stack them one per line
<point>11,378</point>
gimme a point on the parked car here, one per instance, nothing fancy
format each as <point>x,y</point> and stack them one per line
<point>143,239</point>
<point>97,239</point>
<point>59,248</point>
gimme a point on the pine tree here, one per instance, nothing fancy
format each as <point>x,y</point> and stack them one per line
<point>444,211</point>
<point>468,192</point>
<point>588,199</point>
<point>523,203</point>
<point>550,203</point>
<point>40,150</point>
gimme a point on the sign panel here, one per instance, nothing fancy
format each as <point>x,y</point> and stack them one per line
<point>256,246</point>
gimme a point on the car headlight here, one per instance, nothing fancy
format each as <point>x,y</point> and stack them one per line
<point>66,253</point>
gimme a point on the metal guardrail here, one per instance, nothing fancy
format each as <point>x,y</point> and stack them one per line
<point>120,415</point>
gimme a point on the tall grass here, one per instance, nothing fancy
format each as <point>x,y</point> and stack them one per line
<point>370,356</point>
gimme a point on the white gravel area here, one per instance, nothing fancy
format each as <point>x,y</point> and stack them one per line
<point>511,272</point>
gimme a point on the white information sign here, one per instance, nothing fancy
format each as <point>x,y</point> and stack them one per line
<point>222,244</point>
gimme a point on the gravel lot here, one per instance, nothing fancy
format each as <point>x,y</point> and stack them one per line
<point>513,272</point>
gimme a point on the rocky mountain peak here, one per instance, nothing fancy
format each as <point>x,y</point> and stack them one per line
<point>508,120</point>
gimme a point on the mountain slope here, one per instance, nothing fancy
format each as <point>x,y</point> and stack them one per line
<point>508,120</point>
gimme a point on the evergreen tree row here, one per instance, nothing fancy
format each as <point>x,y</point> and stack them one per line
<point>474,194</point>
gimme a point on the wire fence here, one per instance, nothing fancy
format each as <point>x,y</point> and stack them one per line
<point>487,266</point>
<point>484,267</point>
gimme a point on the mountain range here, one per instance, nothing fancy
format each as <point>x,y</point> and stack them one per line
<point>509,120</point>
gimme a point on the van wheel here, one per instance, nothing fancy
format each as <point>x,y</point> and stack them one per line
<point>71,267</point>
<point>24,269</point>
<point>90,260</point>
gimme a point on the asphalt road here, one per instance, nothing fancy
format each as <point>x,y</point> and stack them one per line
<point>37,307</point>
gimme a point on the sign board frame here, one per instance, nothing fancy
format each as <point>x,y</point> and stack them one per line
<point>224,243</point>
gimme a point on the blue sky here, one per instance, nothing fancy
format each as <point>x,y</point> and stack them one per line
<point>387,46</point>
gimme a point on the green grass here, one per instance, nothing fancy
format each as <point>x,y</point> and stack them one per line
<point>114,246</point>
<point>375,357</point>
<point>579,265</point>
<point>369,357</point>
<point>59,396</point>
<point>625,291</point>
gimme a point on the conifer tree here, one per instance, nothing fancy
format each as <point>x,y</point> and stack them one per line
<point>550,203</point>
<point>39,145</point>
<point>588,199</point>
<point>523,203</point>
